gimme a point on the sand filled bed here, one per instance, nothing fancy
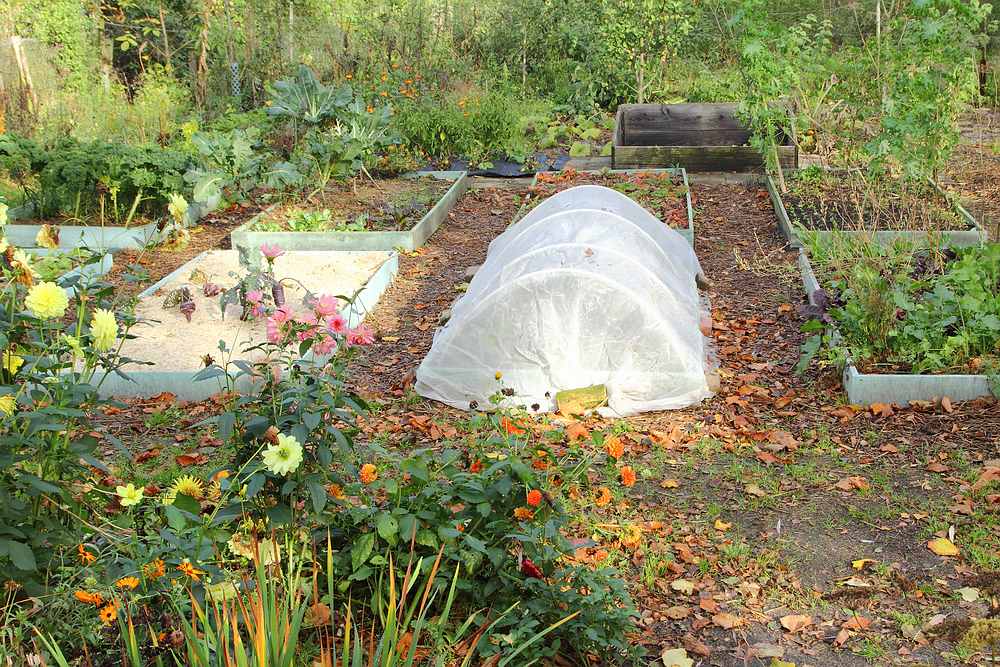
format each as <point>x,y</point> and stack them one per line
<point>173,344</point>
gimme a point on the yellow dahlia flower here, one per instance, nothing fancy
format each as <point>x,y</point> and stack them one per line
<point>284,457</point>
<point>104,329</point>
<point>47,301</point>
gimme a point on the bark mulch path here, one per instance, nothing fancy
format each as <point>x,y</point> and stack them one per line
<point>428,282</point>
<point>974,170</point>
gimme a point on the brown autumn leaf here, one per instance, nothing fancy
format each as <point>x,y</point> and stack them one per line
<point>889,449</point>
<point>946,404</point>
<point>147,455</point>
<point>754,490</point>
<point>845,412</point>
<point>185,460</point>
<point>795,622</point>
<point>882,409</point>
<point>937,466</point>
<point>963,506</point>
<point>726,621</point>
<point>782,440</point>
<point>857,623</point>
<point>853,482</point>
<point>989,474</point>
<point>767,457</point>
<point>677,612</point>
<point>669,484</point>
<point>695,646</point>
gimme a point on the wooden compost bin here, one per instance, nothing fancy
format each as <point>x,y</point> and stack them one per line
<point>698,137</point>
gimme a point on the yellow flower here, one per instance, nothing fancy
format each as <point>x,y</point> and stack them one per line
<point>178,207</point>
<point>47,237</point>
<point>7,405</point>
<point>368,473</point>
<point>127,583</point>
<point>187,485</point>
<point>129,495</point>
<point>283,457</point>
<point>104,329</point>
<point>47,301</point>
<point>4,244</point>
<point>12,362</point>
<point>21,263</point>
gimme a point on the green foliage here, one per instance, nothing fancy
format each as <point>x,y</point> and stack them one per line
<point>112,182</point>
<point>231,164</point>
<point>304,99</point>
<point>919,310</point>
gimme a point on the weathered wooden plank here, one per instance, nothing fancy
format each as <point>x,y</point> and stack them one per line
<point>698,158</point>
<point>686,137</point>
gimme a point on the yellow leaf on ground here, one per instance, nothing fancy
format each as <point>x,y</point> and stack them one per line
<point>676,657</point>
<point>669,484</point>
<point>942,546</point>
<point>726,620</point>
<point>862,563</point>
<point>721,525</point>
<point>682,586</point>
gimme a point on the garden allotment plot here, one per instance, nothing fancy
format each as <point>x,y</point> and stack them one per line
<point>184,322</point>
<point>361,215</point>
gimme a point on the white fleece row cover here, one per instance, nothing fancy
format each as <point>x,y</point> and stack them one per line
<point>588,288</point>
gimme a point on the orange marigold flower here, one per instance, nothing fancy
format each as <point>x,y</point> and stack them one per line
<point>534,497</point>
<point>628,476</point>
<point>89,598</point>
<point>477,466</point>
<point>190,570</point>
<point>368,473</point>
<point>510,427</point>
<point>603,496</point>
<point>154,569</point>
<point>108,614</point>
<point>614,447</point>
<point>85,556</point>
<point>540,464</point>
<point>523,514</point>
<point>128,583</point>
<point>335,491</point>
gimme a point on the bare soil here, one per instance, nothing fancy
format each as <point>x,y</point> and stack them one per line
<point>395,204</point>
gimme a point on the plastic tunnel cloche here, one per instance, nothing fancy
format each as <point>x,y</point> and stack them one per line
<point>587,289</point>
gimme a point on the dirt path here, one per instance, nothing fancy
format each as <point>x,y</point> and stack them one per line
<point>775,499</point>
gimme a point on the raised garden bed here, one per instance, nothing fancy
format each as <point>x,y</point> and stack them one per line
<point>868,388</point>
<point>819,203</point>
<point>67,269</point>
<point>397,213</point>
<point>23,232</point>
<point>176,347</point>
<point>665,193</point>
<point>698,137</point>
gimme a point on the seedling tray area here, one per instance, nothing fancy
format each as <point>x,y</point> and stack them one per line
<point>665,193</point>
<point>176,347</point>
<point>698,137</point>
<point>362,215</point>
<point>867,389</point>
<point>822,203</point>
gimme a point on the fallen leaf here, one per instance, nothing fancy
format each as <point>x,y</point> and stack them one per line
<point>755,490</point>
<point>882,409</point>
<point>726,620</point>
<point>937,466</point>
<point>853,482</point>
<point>968,593</point>
<point>185,460</point>
<point>989,474</point>
<point>682,586</point>
<point>783,440</point>
<point>942,546</point>
<point>677,612</point>
<point>694,646</point>
<point>577,431</point>
<point>795,622</point>
<point>946,404</point>
<point>857,623</point>
<point>862,563</point>
<point>722,525</point>
<point>676,657</point>
<point>669,484</point>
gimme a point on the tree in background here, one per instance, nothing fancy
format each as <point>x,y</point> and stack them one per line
<point>643,35</point>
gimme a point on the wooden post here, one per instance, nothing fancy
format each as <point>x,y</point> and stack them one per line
<point>25,73</point>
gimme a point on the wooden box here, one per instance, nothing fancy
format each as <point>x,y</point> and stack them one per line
<point>698,137</point>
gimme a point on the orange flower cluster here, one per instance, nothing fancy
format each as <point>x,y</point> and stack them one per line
<point>368,473</point>
<point>86,557</point>
<point>511,427</point>
<point>603,496</point>
<point>614,447</point>
<point>534,498</point>
<point>87,597</point>
<point>476,466</point>
<point>127,583</point>
<point>154,569</point>
<point>108,614</point>
<point>190,570</point>
<point>523,514</point>
<point>628,476</point>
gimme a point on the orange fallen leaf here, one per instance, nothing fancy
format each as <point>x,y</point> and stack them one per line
<point>726,620</point>
<point>942,546</point>
<point>577,431</point>
<point>937,466</point>
<point>857,623</point>
<point>795,622</point>
<point>722,525</point>
<point>882,409</point>
<point>946,404</point>
<point>669,484</point>
<point>853,482</point>
<point>185,460</point>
